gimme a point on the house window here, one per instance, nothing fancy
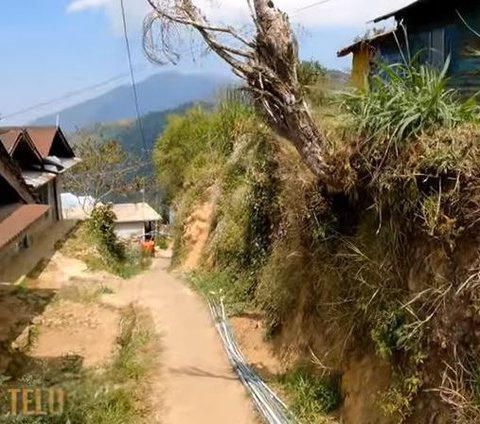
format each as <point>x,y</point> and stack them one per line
<point>437,48</point>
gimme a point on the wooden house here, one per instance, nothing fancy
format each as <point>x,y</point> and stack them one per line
<point>21,219</point>
<point>43,155</point>
<point>433,30</point>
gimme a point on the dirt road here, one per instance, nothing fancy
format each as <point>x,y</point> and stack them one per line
<point>196,384</point>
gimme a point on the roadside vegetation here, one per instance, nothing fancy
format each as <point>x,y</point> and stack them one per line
<point>95,242</point>
<point>384,267</point>
<point>114,394</point>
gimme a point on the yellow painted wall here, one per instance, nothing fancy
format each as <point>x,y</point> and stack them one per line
<point>361,67</point>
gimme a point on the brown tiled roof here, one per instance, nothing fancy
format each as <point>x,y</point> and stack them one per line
<point>20,220</point>
<point>9,139</point>
<point>43,138</point>
<point>13,175</point>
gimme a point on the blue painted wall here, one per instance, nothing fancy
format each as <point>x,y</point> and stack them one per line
<point>456,40</point>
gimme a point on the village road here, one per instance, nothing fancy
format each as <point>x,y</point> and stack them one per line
<point>196,384</point>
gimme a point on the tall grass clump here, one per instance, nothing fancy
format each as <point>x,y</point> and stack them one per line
<point>312,396</point>
<point>406,100</point>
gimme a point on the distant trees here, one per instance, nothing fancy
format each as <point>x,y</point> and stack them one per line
<point>106,171</point>
<point>311,72</point>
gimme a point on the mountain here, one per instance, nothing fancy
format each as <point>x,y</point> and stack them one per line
<point>159,92</point>
<point>127,133</point>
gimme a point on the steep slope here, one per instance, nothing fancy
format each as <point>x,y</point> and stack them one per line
<point>157,93</point>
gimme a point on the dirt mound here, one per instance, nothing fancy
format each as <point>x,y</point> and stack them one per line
<point>197,230</point>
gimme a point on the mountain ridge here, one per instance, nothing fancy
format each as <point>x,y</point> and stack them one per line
<point>157,93</point>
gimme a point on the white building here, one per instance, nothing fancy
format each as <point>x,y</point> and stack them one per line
<point>134,220</point>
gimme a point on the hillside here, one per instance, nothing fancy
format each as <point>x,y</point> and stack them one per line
<point>127,133</point>
<point>159,92</point>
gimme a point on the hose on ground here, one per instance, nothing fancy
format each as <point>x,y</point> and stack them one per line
<point>268,404</point>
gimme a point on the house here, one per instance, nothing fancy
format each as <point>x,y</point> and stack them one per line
<point>135,220</point>
<point>364,53</point>
<point>43,155</point>
<point>22,221</point>
<point>433,30</point>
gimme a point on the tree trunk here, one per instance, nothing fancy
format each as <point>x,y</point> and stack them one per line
<point>278,92</point>
<point>268,64</point>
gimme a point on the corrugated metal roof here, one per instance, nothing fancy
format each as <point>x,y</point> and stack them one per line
<point>12,174</point>
<point>135,212</point>
<point>43,138</point>
<point>66,163</point>
<point>374,39</point>
<point>401,10</point>
<point>20,220</point>
<point>37,179</point>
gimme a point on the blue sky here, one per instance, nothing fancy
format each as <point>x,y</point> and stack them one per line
<point>53,47</point>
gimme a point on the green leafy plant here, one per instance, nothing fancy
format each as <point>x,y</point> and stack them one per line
<point>405,100</point>
<point>102,228</point>
<point>390,333</point>
<point>398,400</point>
<point>312,395</point>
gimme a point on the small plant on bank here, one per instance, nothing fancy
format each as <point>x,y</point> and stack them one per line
<point>390,334</point>
<point>398,400</point>
<point>312,395</point>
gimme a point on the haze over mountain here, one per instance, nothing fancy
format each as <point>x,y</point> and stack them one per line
<point>159,92</point>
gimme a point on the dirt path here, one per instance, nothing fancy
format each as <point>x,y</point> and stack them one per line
<point>196,383</point>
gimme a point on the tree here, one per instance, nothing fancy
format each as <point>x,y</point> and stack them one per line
<point>106,171</point>
<point>267,61</point>
<point>311,72</point>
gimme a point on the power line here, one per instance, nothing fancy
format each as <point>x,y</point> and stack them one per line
<point>311,6</point>
<point>65,96</point>
<point>132,77</point>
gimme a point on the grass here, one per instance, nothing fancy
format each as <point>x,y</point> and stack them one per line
<point>236,294</point>
<point>81,246</point>
<point>406,100</point>
<point>312,396</point>
<point>114,395</point>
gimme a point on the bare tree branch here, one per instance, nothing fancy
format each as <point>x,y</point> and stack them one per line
<point>267,63</point>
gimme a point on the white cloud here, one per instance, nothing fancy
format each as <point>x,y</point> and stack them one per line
<point>334,13</point>
<point>82,5</point>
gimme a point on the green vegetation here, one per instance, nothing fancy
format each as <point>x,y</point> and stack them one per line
<point>101,226</point>
<point>405,101</point>
<point>89,244</point>
<point>398,401</point>
<point>384,266</point>
<point>311,395</point>
<point>114,395</point>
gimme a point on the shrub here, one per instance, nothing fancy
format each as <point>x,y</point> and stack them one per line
<point>312,395</point>
<point>102,227</point>
<point>406,100</point>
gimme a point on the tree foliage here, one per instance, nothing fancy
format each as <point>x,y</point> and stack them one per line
<point>311,72</point>
<point>106,170</point>
<point>197,138</point>
<point>102,228</point>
